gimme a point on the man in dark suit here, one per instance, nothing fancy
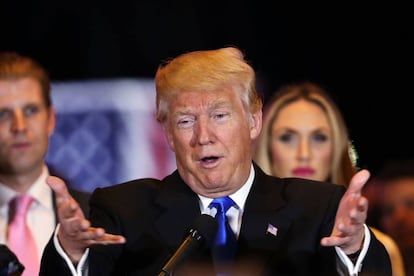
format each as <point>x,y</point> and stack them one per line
<point>211,113</point>
<point>27,120</point>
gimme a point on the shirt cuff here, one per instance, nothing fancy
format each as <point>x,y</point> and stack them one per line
<point>82,267</point>
<point>355,269</point>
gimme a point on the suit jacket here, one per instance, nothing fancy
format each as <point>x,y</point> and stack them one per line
<point>154,216</point>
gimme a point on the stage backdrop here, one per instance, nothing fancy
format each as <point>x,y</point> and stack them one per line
<point>107,133</point>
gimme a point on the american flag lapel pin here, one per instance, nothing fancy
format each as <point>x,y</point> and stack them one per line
<point>271,229</point>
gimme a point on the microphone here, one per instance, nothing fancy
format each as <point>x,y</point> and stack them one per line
<point>9,263</point>
<point>200,235</point>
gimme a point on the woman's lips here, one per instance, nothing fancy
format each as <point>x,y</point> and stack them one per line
<point>303,172</point>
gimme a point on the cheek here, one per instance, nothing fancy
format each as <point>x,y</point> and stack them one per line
<point>324,163</point>
<point>281,153</point>
<point>42,128</point>
<point>324,156</point>
<point>4,131</point>
<point>170,141</point>
<point>234,135</point>
<point>326,160</point>
<point>282,160</point>
<point>183,143</point>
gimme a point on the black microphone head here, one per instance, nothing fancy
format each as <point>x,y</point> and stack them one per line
<point>9,263</point>
<point>204,229</point>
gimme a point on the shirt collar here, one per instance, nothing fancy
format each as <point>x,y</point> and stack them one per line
<point>39,190</point>
<point>239,197</point>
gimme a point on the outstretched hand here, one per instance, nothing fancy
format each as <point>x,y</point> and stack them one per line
<point>75,232</point>
<point>348,231</point>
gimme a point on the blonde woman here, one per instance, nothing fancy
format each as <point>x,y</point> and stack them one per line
<point>304,135</point>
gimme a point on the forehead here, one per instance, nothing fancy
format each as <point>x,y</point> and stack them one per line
<point>197,100</point>
<point>302,113</point>
<point>19,91</point>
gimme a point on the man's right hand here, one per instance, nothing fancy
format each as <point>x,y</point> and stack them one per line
<point>75,232</point>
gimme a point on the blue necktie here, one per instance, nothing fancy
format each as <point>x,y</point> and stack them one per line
<point>225,243</point>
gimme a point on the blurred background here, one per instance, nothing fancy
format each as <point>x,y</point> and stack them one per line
<point>363,55</point>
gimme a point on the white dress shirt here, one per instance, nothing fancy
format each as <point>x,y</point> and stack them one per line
<point>41,216</point>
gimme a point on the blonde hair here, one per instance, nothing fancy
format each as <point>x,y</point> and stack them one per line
<point>205,70</point>
<point>342,168</point>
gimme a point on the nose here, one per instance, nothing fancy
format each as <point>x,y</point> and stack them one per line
<point>19,122</point>
<point>202,133</point>
<point>303,150</point>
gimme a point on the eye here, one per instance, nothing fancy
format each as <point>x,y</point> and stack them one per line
<point>286,137</point>
<point>185,123</point>
<point>5,114</point>
<point>320,137</point>
<point>220,116</point>
<point>31,110</point>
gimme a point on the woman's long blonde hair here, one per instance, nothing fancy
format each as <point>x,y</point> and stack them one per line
<point>343,159</point>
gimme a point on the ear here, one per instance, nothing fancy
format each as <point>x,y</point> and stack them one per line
<point>255,124</point>
<point>51,125</point>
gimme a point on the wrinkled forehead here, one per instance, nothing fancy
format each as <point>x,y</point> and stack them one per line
<point>205,99</point>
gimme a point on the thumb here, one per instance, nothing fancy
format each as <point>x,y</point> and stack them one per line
<point>58,186</point>
<point>358,181</point>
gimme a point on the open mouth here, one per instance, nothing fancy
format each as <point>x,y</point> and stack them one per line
<point>209,159</point>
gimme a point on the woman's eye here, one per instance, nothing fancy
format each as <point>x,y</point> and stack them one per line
<point>320,137</point>
<point>286,137</point>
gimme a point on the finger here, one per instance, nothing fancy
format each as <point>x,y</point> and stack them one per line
<point>334,241</point>
<point>358,181</point>
<point>361,207</point>
<point>99,236</point>
<point>58,186</point>
<point>110,239</point>
<point>83,225</point>
<point>89,233</point>
<point>362,204</point>
<point>78,230</point>
<point>69,208</point>
<point>358,214</point>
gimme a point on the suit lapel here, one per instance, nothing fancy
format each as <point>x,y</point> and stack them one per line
<point>265,218</point>
<point>181,207</point>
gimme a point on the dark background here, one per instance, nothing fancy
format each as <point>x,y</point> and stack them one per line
<point>363,55</point>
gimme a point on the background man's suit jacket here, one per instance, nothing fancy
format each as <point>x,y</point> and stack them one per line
<point>154,216</point>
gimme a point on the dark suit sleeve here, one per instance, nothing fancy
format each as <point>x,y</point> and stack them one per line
<point>377,261</point>
<point>52,263</point>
